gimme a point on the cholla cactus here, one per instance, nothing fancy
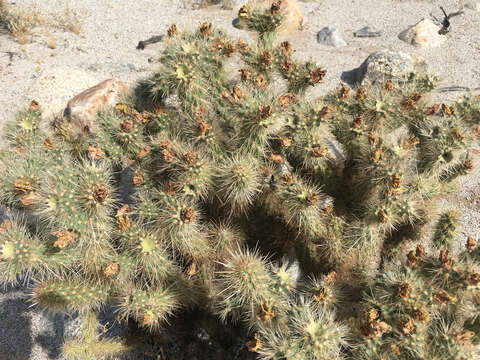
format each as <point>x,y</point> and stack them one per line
<point>192,206</point>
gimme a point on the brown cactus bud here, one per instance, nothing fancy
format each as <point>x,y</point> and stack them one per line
<point>371,315</point>
<point>411,142</point>
<point>287,141</point>
<point>287,100</point>
<point>145,151</point>
<point>408,326</point>
<point>64,238</point>
<point>192,269</point>
<point>396,178</point>
<point>464,337</point>
<point>380,328</point>
<point>111,269</point>
<point>23,185</point>
<point>404,290</point>
<point>332,276</point>
<point>188,215</point>
<point>277,159</point>
<point>420,252</point>
<point>396,349</point>
<point>317,75</point>
<point>229,49</point>
<point>275,8</point>
<point>237,94</point>
<point>242,47</point>
<point>172,30</point>
<point>34,106</point>
<point>245,74</point>
<point>412,260</point>
<point>376,155</point>
<point>100,193</point>
<point>255,344</point>
<point>358,121</point>
<point>388,85</point>
<point>432,110</point>
<point>95,153</point>
<point>287,65</point>
<point>158,108</point>
<point>190,157</point>
<point>311,199</point>
<point>138,179</point>
<point>30,199</point>
<point>171,188</point>
<point>287,179</point>
<point>203,127</point>
<point>327,210</point>
<point>326,110</point>
<point>445,261</point>
<point>5,225</point>
<point>244,12</point>
<point>320,295</point>
<point>444,297</point>
<point>382,216</point>
<point>361,94</point>
<point>123,219</point>
<point>473,278</point>
<point>421,315</point>
<point>344,91</point>
<point>260,81</point>
<point>319,151</point>
<point>168,155</point>
<point>200,112</point>
<point>411,100</point>
<point>286,48</point>
<point>266,313</point>
<point>206,29</point>
<point>48,143</point>
<point>265,111</point>
<point>471,244</point>
<point>266,59</point>
<point>447,110</point>
<point>457,135</point>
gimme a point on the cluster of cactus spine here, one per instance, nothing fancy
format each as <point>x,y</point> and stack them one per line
<point>261,207</point>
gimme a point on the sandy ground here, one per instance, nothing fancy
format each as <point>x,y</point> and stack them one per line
<point>106,47</point>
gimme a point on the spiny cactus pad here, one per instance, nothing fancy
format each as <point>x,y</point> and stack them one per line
<point>287,215</point>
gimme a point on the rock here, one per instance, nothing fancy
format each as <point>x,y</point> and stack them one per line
<point>330,36</point>
<point>367,32</point>
<point>55,86</point>
<point>473,5</point>
<point>82,109</point>
<point>424,34</point>
<point>386,64</point>
<point>289,9</point>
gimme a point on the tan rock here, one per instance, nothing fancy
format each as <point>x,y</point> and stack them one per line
<point>83,108</point>
<point>423,34</point>
<point>289,9</point>
<point>55,85</point>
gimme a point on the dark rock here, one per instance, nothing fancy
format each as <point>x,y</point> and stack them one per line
<point>367,32</point>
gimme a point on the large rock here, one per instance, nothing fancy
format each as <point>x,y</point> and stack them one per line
<point>289,9</point>
<point>330,36</point>
<point>55,85</point>
<point>386,64</point>
<point>473,5</point>
<point>423,34</point>
<point>81,111</point>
